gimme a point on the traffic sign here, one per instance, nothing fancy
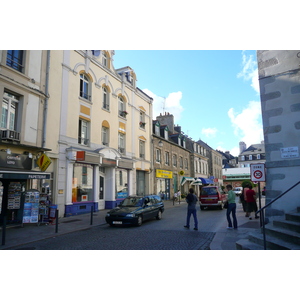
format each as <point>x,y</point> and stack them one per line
<point>257,172</point>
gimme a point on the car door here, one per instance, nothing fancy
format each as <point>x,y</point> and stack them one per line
<point>147,208</point>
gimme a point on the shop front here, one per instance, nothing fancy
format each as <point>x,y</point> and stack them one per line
<point>14,183</point>
<point>163,183</point>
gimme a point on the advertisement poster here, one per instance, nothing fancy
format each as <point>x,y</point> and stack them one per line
<point>31,207</point>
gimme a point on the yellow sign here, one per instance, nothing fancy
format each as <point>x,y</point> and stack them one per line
<point>181,173</point>
<point>43,162</point>
<point>164,174</point>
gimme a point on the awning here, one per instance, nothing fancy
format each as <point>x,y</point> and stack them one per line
<point>206,180</point>
<point>197,182</point>
<point>185,179</point>
<point>12,174</point>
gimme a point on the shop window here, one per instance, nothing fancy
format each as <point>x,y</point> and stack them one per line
<point>83,132</point>
<point>15,59</point>
<point>85,87</point>
<point>82,188</point>
<point>121,183</point>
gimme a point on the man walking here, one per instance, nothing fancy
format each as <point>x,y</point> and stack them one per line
<point>191,199</point>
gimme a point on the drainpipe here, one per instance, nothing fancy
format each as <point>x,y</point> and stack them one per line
<point>46,100</point>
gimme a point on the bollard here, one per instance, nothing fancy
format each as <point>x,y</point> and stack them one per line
<point>91,215</point>
<point>56,221</point>
<point>4,230</point>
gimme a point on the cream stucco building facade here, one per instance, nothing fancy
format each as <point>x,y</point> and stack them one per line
<point>99,130</point>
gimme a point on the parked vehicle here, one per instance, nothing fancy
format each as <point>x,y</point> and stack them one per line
<point>212,196</point>
<point>238,190</point>
<point>135,210</point>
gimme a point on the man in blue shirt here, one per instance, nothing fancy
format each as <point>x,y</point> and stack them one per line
<point>191,199</point>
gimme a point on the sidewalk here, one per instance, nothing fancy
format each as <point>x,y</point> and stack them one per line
<point>17,236</point>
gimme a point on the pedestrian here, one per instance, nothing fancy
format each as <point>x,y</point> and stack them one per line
<point>246,188</point>
<point>251,202</point>
<point>191,199</point>
<point>243,201</point>
<point>231,209</point>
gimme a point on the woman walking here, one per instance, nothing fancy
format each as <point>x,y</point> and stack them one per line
<point>231,208</point>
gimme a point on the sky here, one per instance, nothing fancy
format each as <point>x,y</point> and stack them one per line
<point>213,94</point>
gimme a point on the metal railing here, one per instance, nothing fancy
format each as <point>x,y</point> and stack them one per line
<point>261,211</point>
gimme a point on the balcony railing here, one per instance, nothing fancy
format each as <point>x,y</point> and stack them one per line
<point>83,141</point>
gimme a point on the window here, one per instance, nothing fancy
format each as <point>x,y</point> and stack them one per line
<point>250,157</point>
<point>242,157</point>
<point>258,156</point>
<point>180,162</point>
<point>167,158</point>
<point>105,136</point>
<point>121,143</point>
<point>158,155</point>
<point>142,120</point>
<point>174,159</point>
<point>85,87</point>
<point>105,103</point>
<point>142,149</point>
<point>14,59</point>
<point>9,111</point>
<point>104,58</point>
<point>122,107</point>
<point>157,127</point>
<point>83,132</point>
<point>186,165</point>
<point>82,187</point>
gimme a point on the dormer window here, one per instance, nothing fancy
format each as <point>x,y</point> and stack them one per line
<point>258,156</point>
<point>104,59</point>
<point>250,157</point>
<point>242,157</point>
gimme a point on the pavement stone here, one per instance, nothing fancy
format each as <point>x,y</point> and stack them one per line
<point>224,239</point>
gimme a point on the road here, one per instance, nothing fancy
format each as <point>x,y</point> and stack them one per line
<point>165,234</point>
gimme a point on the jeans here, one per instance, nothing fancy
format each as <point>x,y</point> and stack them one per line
<point>231,209</point>
<point>194,213</point>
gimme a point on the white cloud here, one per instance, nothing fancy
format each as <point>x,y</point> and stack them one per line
<point>247,124</point>
<point>250,71</point>
<point>170,104</point>
<point>209,132</point>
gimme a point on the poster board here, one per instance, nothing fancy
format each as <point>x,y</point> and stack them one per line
<point>31,206</point>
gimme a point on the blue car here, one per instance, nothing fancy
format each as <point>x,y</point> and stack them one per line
<point>135,210</point>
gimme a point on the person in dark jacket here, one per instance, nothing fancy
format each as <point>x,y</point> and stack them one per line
<point>191,199</point>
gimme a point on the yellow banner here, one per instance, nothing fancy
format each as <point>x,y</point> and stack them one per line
<point>164,174</point>
<point>43,162</point>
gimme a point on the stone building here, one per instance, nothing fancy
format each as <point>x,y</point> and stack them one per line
<point>279,78</point>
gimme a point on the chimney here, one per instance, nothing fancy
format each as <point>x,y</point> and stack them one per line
<point>167,119</point>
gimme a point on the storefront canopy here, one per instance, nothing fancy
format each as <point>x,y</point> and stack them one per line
<point>197,182</point>
<point>185,179</point>
<point>205,180</point>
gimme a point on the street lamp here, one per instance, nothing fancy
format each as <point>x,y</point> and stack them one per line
<point>160,143</point>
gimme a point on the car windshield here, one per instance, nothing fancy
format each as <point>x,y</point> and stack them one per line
<point>209,191</point>
<point>132,201</point>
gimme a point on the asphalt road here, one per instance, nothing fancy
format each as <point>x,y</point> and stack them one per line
<point>165,234</point>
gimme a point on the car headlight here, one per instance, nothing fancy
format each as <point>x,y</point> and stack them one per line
<point>108,214</point>
<point>130,215</point>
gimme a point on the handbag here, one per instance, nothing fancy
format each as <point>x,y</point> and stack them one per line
<point>226,204</point>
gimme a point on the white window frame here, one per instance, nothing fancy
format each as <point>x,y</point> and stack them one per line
<point>105,103</point>
<point>83,132</point>
<point>85,87</point>
<point>11,113</point>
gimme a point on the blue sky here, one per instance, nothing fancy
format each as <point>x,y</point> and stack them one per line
<point>213,94</point>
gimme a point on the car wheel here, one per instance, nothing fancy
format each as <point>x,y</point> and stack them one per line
<point>159,215</point>
<point>139,221</point>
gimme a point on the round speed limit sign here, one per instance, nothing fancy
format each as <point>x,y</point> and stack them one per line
<point>257,174</point>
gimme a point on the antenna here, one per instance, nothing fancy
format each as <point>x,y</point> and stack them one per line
<point>164,104</point>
